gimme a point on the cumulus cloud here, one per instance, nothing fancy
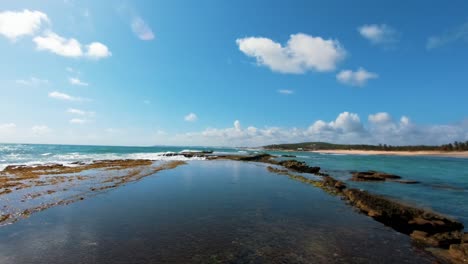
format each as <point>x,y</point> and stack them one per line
<point>32,81</point>
<point>97,50</point>
<point>16,24</point>
<point>380,118</point>
<point>58,45</point>
<point>40,130</point>
<point>379,34</point>
<point>64,96</point>
<point>71,47</point>
<point>457,34</point>
<point>346,128</point>
<point>301,53</point>
<point>285,91</point>
<point>76,81</point>
<point>355,78</point>
<point>191,117</point>
<point>141,29</point>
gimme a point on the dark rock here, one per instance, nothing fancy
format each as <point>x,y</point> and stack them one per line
<point>407,181</point>
<point>442,240</point>
<point>373,176</point>
<point>299,166</point>
<point>288,156</point>
<point>329,181</point>
<point>400,217</point>
<point>465,238</point>
<point>257,158</point>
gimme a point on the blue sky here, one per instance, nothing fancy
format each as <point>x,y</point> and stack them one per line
<point>241,73</point>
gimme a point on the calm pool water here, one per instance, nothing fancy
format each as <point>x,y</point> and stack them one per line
<point>207,212</point>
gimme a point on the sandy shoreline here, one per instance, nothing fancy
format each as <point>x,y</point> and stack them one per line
<point>458,154</point>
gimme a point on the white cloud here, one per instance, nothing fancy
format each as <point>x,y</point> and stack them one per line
<point>191,117</point>
<point>355,78</point>
<point>141,29</point>
<point>32,81</point>
<point>346,128</point>
<point>380,118</point>
<point>8,128</point>
<point>285,91</point>
<point>379,34</point>
<point>63,96</point>
<point>16,24</point>
<point>97,50</point>
<point>460,33</point>
<point>76,81</point>
<point>79,112</point>
<point>59,45</point>
<point>72,48</point>
<point>78,121</point>
<point>302,53</point>
<point>40,130</point>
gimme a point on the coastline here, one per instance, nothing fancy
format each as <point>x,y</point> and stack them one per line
<point>457,154</point>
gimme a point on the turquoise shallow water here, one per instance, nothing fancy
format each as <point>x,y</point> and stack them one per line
<point>443,187</point>
<point>207,212</point>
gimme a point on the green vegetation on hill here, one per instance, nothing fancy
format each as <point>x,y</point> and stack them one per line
<point>456,146</point>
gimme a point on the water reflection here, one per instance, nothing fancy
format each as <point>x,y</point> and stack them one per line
<point>194,214</point>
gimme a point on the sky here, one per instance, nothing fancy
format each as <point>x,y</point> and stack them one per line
<point>233,73</point>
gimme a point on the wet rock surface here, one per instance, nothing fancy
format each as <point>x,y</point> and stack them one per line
<point>28,189</point>
<point>299,166</point>
<point>373,176</point>
<point>402,218</point>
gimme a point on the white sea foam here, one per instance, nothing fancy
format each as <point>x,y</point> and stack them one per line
<point>68,158</point>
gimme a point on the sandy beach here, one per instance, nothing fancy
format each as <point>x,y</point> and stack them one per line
<point>457,154</point>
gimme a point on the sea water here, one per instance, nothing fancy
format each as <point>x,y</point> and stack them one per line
<point>207,212</point>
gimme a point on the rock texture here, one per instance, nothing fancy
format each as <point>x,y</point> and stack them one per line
<point>373,176</point>
<point>403,218</point>
<point>299,166</point>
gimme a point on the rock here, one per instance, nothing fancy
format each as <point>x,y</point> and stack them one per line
<point>257,158</point>
<point>400,217</point>
<point>329,181</point>
<point>407,181</point>
<point>459,252</point>
<point>442,240</point>
<point>288,156</point>
<point>299,166</point>
<point>465,238</point>
<point>373,176</point>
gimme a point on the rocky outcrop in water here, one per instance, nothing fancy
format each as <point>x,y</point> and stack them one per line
<point>257,158</point>
<point>403,218</point>
<point>299,166</point>
<point>373,176</point>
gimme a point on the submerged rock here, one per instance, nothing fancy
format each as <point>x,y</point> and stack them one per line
<point>403,218</point>
<point>299,166</point>
<point>288,156</point>
<point>373,176</point>
<point>407,181</point>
